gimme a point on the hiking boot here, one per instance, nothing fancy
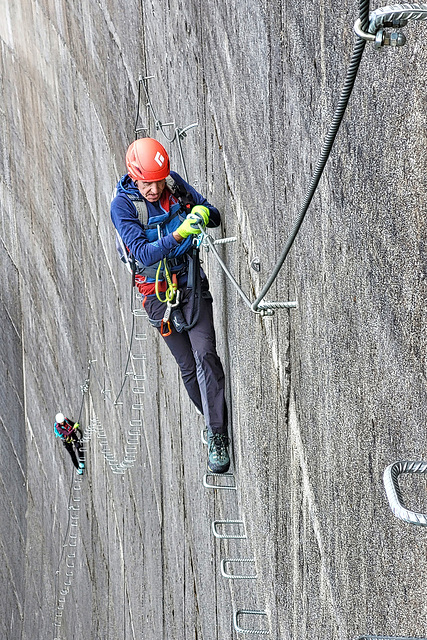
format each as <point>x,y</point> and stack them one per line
<point>218,458</point>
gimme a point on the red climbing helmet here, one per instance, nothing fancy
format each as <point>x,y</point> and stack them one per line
<point>147,160</point>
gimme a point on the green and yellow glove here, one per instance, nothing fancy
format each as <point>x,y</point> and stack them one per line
<point>199,216</point>
<point>203,212</point>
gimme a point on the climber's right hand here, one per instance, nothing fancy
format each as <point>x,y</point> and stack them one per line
<point>190,226</point>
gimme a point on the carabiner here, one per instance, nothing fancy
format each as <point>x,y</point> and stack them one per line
<point>169,331</point>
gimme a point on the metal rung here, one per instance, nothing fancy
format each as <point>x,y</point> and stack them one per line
<point>235,576</point>
<point>394,494</point>
<point>137,377</point>
<point>137,407</point>
<point>249,612</point>
<point>138,356</point>
<point>388,638</point>
<point>135,423</point>
<point>140,336</point>
<point>203,436</point>
<point>278,305</point>
<point>139,313</point>
<point>225,240</point>
<point>230,536</point>
<point>224,476</point>
<point>138,390</point>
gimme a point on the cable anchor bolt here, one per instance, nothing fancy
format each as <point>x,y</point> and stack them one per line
<point>182,133</point>
<point>384,38</point>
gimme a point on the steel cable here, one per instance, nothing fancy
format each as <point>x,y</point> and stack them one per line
<point>326,148</point>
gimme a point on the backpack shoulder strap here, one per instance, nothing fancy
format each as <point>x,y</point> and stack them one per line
<point>172,185</point>
<point>184,198</point>
<point>141,209</point>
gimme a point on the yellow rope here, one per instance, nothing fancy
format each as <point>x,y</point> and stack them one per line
<point>172,287</point>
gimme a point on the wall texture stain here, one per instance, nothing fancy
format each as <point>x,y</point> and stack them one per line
<point>322,398</point>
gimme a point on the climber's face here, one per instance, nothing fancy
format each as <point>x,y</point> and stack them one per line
<point>151,191</point>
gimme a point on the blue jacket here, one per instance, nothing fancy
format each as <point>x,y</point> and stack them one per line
<point>146,247</point>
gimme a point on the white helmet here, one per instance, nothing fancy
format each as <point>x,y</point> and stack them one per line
<point>59,418</point>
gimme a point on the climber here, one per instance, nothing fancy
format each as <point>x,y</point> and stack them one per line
<point>71,436</point>
<point>157,215</point>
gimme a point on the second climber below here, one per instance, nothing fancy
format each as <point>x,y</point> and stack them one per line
<point>70,434</point>
<point>157,216</point>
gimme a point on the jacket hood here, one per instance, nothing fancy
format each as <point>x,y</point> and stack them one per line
<point>127,186</point>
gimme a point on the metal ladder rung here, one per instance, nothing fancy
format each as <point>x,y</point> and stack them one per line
<point>224,476</point>
<point>235,576</point>
<point>230,536</point>
<point>249,612</point>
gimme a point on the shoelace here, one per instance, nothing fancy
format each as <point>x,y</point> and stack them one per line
<point>219,442</point>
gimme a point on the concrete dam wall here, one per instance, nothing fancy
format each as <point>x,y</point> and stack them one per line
<point>322,397</point>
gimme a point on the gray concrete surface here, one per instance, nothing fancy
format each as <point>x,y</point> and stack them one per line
<point>321,398</point>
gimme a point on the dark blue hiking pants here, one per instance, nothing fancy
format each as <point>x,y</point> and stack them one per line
<point>73,447</point>
<point>195,353</point>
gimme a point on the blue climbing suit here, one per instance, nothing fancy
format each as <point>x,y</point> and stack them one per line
<point>194,350</point>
